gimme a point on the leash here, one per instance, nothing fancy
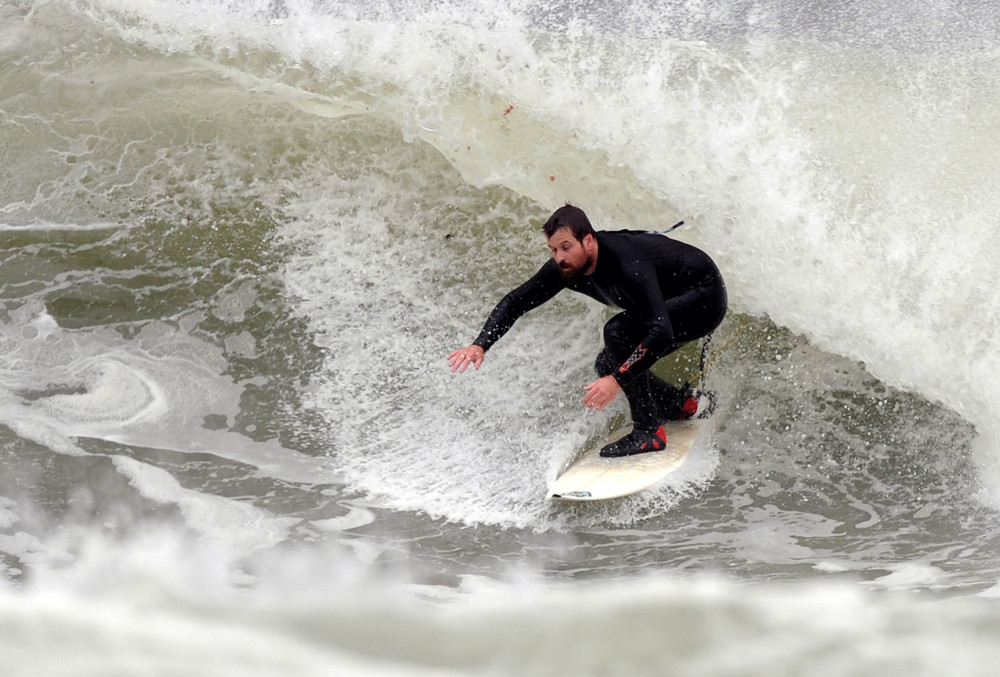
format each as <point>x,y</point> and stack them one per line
<point>706,359</point>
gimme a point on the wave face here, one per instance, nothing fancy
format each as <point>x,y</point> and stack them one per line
<point>238,240</point>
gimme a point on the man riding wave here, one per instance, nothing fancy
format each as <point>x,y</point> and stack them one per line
<point>670,294</point>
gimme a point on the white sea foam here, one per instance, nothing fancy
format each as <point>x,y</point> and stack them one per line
<point>229,523</point>
<point>153,392</point>
<point>167,607</point>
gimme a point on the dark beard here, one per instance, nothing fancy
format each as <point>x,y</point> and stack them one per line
<point>569,274</point>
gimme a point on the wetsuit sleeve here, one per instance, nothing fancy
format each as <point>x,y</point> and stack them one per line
<point>659,330</point>
<point>545,284</point>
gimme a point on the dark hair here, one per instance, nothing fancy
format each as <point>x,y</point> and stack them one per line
<point>569,217</point>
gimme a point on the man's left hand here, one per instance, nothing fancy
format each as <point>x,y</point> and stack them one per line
<point>601,392</point>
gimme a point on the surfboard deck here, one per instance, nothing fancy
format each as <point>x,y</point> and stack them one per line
<point>593,478</point>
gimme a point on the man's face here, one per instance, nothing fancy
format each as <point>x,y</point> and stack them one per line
<point>571,255</point>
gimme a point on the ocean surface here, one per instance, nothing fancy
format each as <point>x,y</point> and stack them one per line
<point>238,239</point>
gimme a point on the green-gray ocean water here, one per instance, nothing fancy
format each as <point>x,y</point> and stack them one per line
<point>238,240</point>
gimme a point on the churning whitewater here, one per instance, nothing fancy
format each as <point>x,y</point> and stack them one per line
<point>239,239</point>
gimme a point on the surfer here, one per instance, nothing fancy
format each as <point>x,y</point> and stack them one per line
<point>670,293</point>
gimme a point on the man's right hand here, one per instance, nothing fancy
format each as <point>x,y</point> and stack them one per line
<point>461,359</point>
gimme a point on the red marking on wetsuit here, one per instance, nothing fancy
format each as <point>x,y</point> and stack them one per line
<point>639,353</point>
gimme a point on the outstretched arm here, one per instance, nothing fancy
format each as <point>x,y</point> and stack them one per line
<point>461,359</point>
<point>545,284</point>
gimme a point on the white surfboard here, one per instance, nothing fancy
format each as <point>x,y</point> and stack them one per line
<point>594,478</point>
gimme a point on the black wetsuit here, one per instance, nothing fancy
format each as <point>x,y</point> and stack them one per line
<point>671,293</point>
